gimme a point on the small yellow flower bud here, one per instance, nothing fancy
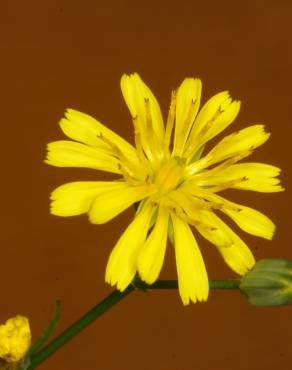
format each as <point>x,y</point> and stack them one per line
<point>15,339</point>
<point>269,283</point>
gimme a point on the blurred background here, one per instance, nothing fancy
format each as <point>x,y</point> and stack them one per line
<point>60,54</point>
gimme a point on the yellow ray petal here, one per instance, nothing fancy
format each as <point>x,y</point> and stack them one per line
<point>246,139</point>
<point>217,113</point>
<point>76,198</point>
<point>151,255</point>
<point>238,257</point>
<point>248,219</point>
<point>242,142</point>
<point>109,204</point>
<point>121,267</point>
<point>211,228</point>
<point>236,254</point>
<point>192,275</point>
<point>72,154</point>
<point>84,128</point>
<point>187,104</point>
<point>259,177</point>
<point>144,107</point>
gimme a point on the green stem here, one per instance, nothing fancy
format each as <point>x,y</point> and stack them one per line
<point>172,284</point>
<point>106,304</point>
<point>78,326</point>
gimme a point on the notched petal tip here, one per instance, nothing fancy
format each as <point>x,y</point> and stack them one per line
<point>128,77</point>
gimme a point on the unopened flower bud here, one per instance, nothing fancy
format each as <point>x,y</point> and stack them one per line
<point>269,283</point>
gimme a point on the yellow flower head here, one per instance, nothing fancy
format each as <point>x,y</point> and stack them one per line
<point>15,339</point>
<point>176,186</point>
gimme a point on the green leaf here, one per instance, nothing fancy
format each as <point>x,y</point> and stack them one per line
<point>48,331</point>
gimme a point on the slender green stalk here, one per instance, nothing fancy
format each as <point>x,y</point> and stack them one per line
<point>78,326</point>
<point>172,284</point>
<point>106,304</point>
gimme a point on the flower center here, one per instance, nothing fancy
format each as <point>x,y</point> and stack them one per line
<point>170,175</point>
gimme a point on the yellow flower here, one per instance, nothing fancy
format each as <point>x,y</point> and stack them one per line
<point>15,339</point>
<point>176,186</point>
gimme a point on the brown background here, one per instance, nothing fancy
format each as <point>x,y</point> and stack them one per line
<point>63,54</point>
